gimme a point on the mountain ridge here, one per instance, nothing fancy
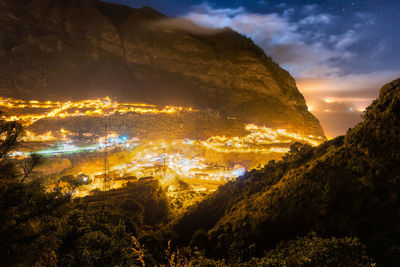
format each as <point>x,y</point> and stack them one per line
<point>84,49</point>
<point>346,187</point>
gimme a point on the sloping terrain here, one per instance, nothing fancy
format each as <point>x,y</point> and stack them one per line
<point>348,186</point>
<point>54,49</point>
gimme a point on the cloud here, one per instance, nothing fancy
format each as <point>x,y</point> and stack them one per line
<point>309,9</point>
<point>343,41</point>
<point>336,115</point>
<point>360,85</point>
<point>300,46</point>
<point>303,42</point>
<point>262,3</point>
<point>338,101</point>
<point>316,19</point>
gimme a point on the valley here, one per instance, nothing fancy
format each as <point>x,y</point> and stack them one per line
<point>108,144</point>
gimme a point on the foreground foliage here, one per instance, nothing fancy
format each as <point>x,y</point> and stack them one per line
<point>42,227</point>
<point>348,186</point>
<point>29,216</point>
<point>315,251</point>
<point>333,205</point>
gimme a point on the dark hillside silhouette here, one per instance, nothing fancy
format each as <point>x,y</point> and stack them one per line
<point>348,186</point>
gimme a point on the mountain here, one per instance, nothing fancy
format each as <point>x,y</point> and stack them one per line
<point>346,187</point>
<point>78,49</point>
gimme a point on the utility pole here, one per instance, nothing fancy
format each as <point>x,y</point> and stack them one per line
<point>164,163</point>
<point>105,169</point>
<point>106,166</point>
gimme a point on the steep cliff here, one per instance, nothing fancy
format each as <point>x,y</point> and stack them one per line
<point>81,49</point>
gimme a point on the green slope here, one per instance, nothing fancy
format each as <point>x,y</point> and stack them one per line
<point>348,186</point>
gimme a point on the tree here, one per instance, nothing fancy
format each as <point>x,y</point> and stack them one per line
<point>312,250</point>
<point>28,214</point>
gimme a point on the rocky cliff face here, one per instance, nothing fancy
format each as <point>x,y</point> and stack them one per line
<point>81,48</point>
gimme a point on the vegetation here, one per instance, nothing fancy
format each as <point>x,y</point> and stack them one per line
<point>345,187</point>
<point>42,227</point>
<point>29,216</point>
<point>99,49</point>
<point>315,251</point>
<point>333,205</point>
<point>310,250</point>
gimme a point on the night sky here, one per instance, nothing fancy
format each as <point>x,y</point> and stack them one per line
<point>340,51</point>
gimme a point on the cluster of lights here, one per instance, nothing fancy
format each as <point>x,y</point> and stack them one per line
<point>69,147</point>
<point>159,159</point>
<point>260,140</point>
<point>97,107</point>
<point>61,135</point>
<point>113,139</point>
<point>360,105</point>
<point>165,160</point>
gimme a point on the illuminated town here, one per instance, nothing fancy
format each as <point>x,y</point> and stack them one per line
<point>189,159</point>
<point>199,133</point>
<point>98,107</point>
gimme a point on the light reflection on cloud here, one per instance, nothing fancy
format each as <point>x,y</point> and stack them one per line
<point>317,58</point>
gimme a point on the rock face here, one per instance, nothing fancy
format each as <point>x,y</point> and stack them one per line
<point>55,49</point>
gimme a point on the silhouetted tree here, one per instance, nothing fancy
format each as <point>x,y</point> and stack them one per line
<point>28,214</point>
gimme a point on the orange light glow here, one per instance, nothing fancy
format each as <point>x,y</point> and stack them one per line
<point>98,107</point>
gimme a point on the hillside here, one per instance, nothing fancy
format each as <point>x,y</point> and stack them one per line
<point>54,49</point>
<point>346,187</point>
